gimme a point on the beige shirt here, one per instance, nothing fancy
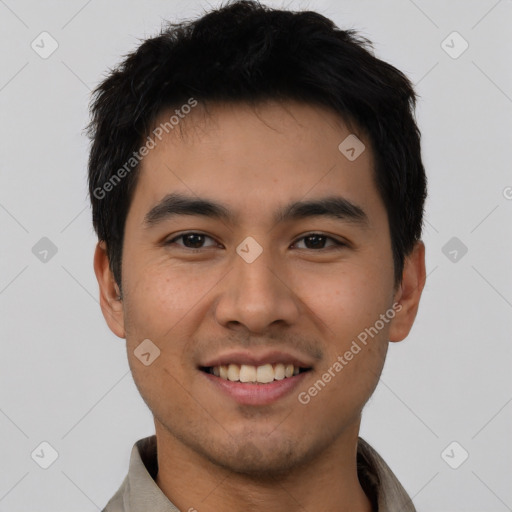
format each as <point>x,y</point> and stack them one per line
<point>139,492</point>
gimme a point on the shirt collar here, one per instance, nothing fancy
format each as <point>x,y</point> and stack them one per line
<point>139,492</point>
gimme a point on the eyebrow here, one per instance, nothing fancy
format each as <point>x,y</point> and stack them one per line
<point>178,204</point>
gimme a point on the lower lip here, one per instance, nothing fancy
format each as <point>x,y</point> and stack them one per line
<point>257,394</point>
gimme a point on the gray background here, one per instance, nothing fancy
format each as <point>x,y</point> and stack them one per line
<point>64,375</point>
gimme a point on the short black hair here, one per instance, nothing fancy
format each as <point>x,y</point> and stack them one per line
<point>247,52</point>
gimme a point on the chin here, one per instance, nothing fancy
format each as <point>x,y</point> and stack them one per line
<point>261,461</point>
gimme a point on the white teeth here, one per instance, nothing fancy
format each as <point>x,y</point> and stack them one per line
<point>247,373</point>
<point>279,371</point>
<point>233,372</point>
<point>261,374</point>
<point>265,374</point>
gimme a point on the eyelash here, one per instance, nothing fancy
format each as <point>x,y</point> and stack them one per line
<point>337,243</point>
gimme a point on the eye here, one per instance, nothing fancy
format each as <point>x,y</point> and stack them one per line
<point>195,241</point>
<point>317,241</point>
<point>191,240</point>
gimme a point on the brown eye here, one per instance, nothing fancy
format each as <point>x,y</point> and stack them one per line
<point>318,241</point>
<point>191,240</point>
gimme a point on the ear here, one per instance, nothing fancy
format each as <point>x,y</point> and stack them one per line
<point>408,293</point>
<point>110,301</point>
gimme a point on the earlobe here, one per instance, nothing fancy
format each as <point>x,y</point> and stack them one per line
<point>110,296</point>
<point>409,293</point>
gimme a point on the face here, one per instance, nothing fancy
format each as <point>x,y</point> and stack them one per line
<point>249,288</point>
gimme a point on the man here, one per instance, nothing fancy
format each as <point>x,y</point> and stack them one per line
<point>257,190</point>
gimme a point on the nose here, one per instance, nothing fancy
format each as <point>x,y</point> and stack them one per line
<point>257,294</point>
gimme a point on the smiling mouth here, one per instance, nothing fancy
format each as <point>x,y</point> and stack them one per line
<point>250,374</point>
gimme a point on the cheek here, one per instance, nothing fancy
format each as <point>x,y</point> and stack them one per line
<point>350,301</point>
<point>155,306</point>
<point>157,297</point>
<point>164,305</point>
<point>349,307</point>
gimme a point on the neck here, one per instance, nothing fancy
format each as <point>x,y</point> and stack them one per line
<point>193,483</point>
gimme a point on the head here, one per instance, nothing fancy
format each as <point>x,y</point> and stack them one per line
<point>226,137</point>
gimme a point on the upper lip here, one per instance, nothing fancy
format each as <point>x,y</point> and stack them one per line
<point>258,359</point>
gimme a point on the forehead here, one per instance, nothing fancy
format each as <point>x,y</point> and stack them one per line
<point>288,130</point>
<point>250,157</point>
